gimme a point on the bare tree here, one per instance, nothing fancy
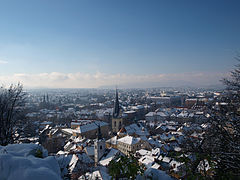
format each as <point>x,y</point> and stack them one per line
<point>220,144</point>
<point>224,141</point>
<point>11,106</point>
<point>233,82</point>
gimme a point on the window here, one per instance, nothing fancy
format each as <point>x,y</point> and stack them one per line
<point>115,123</point>
<point>100,147</point>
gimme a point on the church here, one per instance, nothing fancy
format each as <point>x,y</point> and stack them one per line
<point>117,120</point>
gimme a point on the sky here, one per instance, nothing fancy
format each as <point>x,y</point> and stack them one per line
<point>129,43</point>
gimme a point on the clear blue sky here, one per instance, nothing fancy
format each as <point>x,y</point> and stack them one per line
<point>125,36</point>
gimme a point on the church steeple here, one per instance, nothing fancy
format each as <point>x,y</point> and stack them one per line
<point>99,134</point>
<point>47,98</point>
<point>116,108</point>
<point>44,98</point>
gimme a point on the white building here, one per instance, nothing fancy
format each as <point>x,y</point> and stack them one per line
<point>129,144</point>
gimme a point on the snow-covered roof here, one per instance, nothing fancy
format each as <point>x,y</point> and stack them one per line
<point>166,159</point>
<point>150,114</point>
<point>177,149</point>
<point>137,129</point>
<point>129,112</point>
<point>203,165</point>
<point>156,151</point>
<point>90,126</point>
<point>204,126</point>
<point>183,114</point>
<point>99,174</point>
<point>144,152</point>
<point>69,162</point>
<point>162,114</point>
<point>147,160</point>
<point>46,123</point>
<point>113,140</point>
<point>176,165</point>
<point>62,152</point>
<point>67,131</point>
<point>68,146</point>
<point>105,160</point>
<point>155,166</point>
<point>167,127</point>
<point>137,107</point>
<point>129,140</point>
<point>73,162</point>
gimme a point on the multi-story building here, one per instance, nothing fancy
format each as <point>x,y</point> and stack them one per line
<point>129,144</point>
<point>89,128</point>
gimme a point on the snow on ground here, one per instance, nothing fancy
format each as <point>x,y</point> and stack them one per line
<point>18,161</point>
<point>22,149</point>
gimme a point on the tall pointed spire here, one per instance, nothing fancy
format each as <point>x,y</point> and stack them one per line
<point>99,134</point>
<point>116,108</point>
<point>44,98</point>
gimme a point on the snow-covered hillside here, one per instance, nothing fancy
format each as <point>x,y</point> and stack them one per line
<point>27,162</point>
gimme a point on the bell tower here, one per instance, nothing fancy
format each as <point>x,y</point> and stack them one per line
<point>99,146</point>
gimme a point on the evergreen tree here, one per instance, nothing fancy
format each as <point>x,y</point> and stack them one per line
<point>125,167</point>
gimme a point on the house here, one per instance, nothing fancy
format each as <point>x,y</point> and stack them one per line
<point>129,144</point>
<point>89,128</point>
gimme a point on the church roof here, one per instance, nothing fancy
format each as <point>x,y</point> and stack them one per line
<point>89,126</point>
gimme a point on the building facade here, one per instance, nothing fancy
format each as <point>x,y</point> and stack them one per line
<point>129,144</point>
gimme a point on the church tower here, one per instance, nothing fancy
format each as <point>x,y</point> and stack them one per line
<point>117,121</point>
<point>47,99</point>
<point>99,146</point>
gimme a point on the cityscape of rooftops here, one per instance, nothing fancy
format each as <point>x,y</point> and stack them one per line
<point>124,89</point>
